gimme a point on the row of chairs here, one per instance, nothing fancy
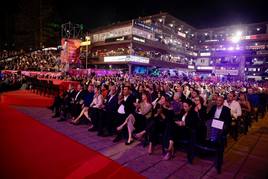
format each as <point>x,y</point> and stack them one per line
<point>43,87</point>
<point>194,146</point>
<point>242,124</point>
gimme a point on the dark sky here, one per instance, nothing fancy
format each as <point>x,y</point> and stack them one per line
<point>94,13</point>
<point>199,13</point>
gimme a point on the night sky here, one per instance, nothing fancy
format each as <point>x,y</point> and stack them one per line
<point>199,13</point>
<point>92,14</point>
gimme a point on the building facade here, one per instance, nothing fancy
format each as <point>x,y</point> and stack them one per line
<point>162,42</point>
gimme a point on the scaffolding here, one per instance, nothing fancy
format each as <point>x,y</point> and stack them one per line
<point>71,31</point>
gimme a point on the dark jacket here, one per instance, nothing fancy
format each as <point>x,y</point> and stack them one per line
<point>88,98</point>
<point>112,105</point>
<point>191,120</point>
<point>69,97</point>
<point>225,116</point>
<point>202,114</point>
<point>80,96</point>
<point>129,104</point>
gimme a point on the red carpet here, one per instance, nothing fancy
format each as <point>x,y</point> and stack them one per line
<point>25,98</point>
<point>32,150</point>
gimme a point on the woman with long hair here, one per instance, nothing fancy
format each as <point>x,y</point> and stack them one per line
<point>162,116</point>
<point>96,106</point>
<point>85,106</point>
<point>181,128</point>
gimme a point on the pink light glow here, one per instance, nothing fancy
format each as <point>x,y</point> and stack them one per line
<point>231,48</point>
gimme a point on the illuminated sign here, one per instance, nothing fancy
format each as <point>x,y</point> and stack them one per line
<point>50,48</point>
<point>143,34</point>
<point>190,66</point>
<point>254,37</point>
<point>205,54</point>
<point>192,53</point>
<point>139,23</point>
<point>85,43</point>
<point>202,62</point>
<point>116,39</point>
<point>225,72</point>
<point>214,40</point>
<point>181,34</point>
<point>205,68</point>
<point>256,47</point>
<point>128,58</point>
<point>139,39</point>
<point>118,32</point>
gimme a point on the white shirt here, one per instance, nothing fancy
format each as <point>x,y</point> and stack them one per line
<point>235,108</point>
<point>125,98</point>
<point>218,112</point>
<point>111,97</point>
<point>77,95</point>
<point>121,109</point>
<point>183,117</point>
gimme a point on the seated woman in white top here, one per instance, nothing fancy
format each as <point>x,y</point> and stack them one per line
<point>98,99</point>
<point>96,106</point>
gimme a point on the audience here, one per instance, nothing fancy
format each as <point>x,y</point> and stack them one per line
<point>34,61</point>
<point>142,107</point>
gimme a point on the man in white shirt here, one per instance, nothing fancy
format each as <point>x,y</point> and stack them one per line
<point>221,113</point>
<point>233,105</point>
<point>78,100</point>
<point>126,107</point>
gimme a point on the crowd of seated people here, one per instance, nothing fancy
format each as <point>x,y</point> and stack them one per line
<point>146,108</point>
<point>10,53</point>
<point>9,82</point>
<point>34,61</point>
<point>156,110</point>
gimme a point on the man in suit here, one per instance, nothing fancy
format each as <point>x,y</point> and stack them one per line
<point>217,137</point>
<point>68,100</point>
<point>126,107</point>
<point>221,113</point>
<point>108,116</point>
<point>56,105</point>
<point>78,101</point>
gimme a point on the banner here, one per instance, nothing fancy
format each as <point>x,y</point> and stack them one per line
<point>70,51</point>
<point>98,72</point>
<point>33,73</point>
<point>72,72</point>
<point>202,62</point>
<point>226,72</point>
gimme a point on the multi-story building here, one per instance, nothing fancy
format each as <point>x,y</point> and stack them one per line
<point>239,51</point>
<point>166,43</point>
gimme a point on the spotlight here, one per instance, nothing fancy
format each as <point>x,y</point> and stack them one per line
<point>237,37</point>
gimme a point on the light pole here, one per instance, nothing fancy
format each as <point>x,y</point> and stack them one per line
<point>87,39</point>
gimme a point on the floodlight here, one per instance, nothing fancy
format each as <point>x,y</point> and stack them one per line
<point>237,37</point>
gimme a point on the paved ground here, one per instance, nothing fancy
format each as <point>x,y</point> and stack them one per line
<point>246,158</point>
